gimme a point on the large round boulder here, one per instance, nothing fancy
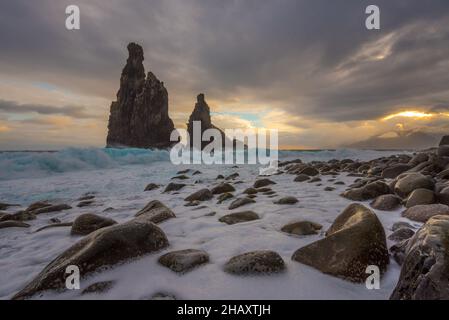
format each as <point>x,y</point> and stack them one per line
<point>420,196</point>
<point>395,170</point>
<point>386,202</point>
<point>102,248</point>
<point>422,213</point>
<point>367,192</point>
<point>200,195</point>
<point>407,183</point>
<point>355,241</point>
<point>89,222</point>
<point>424,273</point>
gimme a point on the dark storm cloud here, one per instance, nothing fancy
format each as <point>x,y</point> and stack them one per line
<point>71,111</point>
<point>311,58</point>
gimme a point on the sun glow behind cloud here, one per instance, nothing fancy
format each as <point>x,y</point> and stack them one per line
<point>414,115</point>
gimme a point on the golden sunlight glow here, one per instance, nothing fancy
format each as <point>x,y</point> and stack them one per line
<point>409,114</point>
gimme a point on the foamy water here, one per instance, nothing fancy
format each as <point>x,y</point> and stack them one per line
<point>118,178</point>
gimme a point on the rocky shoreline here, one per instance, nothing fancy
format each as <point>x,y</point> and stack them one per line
<point>417,185</point>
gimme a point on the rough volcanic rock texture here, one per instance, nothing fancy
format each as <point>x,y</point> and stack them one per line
<point>139,118</point>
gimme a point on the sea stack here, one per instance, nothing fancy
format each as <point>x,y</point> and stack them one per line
<point>139,118</point>
<point>201,113</point>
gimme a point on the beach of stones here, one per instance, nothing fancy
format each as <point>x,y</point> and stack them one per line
<point>416,184</point>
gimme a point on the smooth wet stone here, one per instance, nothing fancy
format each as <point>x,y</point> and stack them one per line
<point>224,196</point>
<point>86,203</point>
<point>422,213</point>
<point>13,224</point>
<point>222,188</point>
<point>401,234</point>
<point>89,222</point>
<point>393,171</point>
<point>156,212</point>
<point>151,187</point>
<point>386,202</point>
<point>328,189</point>
<point>255,263</point>
<point>419,197</point>
<point>401,224</point>
<point>409,182</point>
<point>184,260</point>
<point>355,241</point>
<point>193,203</point>
<point>286,200</point>
<point>99,287</point>
<point>250,191</point>
<point>309,171</point>
<point>86,197</point>
<point>23,216</point>
<point>54,225</point>
<point>263,183</point>
<point>200,195</point>
<point>232,176</point>
<point>238,217</point>
<point>51,208</point>
<point>181,177</point>
<point>174,187</point>
<point>301,178</point>
<point>239,202</point>
<point>102,248</point>
<point>367,192</point>
<point>302,228</point>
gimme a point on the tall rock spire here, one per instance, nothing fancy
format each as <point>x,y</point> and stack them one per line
<point>139,118</point>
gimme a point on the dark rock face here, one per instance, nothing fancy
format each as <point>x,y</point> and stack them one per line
<point>355,240</point>
<point>426,264</point>
<point>139,118</point>
<point>201,113</point>
<point>444,141</point>
<point>256,262</point>
<point>102,248</point>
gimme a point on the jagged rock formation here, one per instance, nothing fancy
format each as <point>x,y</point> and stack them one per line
<point>139,118</point>
<point>201,113</point>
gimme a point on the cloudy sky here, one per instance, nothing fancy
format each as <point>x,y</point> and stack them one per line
<point>308,68</point>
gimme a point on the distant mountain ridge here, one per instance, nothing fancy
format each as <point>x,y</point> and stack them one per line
<point>412,140</point>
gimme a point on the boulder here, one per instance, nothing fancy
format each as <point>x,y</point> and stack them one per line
<point>263,183</point>
<point>355,241</point>
<point>89,222</point>
<point>256,262</point>
<point>139,117</point>
<point>238,217</point>
<point>250,191</point>
<point>420,196</point>
<point>401,224</point>
<point>309,171</point>
<point>301,178</point>
<point>286,200</point>
<point>302,228</point>
<point>13,224</point>
<point>200,195</point>
<point>395,170</point>
<point>38,205</point>
<point>232,176</point>
<point>224,196</point>
<point>151,187</point>
<point>412,181</point>
<point>99,287</point>
<point>184,260</point>
<point>156,212</point>
<point>86,203</point>
<point>51,208</point>
<point>174,187</point>
<point>367,192</point>
<point>102,248</point>
<point>424,273</point>
<point>422,213</point>
<point>240,202</point>
<point>222,188</point>
<point>401,234</point>
<point>386,202</point>
<point>22,216</point>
